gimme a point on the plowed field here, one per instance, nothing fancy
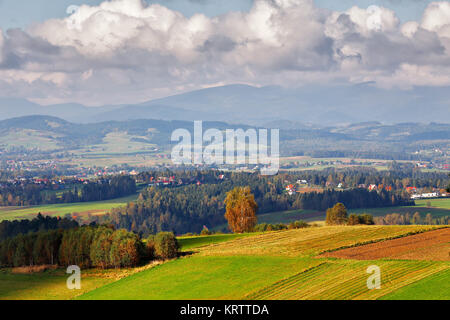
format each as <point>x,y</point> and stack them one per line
<point>432,245</point>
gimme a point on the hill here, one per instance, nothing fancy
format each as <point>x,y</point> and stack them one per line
<point>364,140</point>
<point>277,265</point>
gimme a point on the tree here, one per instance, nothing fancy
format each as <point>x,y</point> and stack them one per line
<point>241,210</point>
<point>416,219</point>
<point>429,219</point>
<point>353,220</point>
<point>166,245</point>
<point>337,215</point>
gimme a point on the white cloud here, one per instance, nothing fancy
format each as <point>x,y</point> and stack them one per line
<point>127,51</point>
<point>2,41</point>
<point>437,17</point>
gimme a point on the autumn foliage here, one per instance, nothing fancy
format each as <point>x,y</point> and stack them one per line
<point>337,215</point>
<point>241,210</point>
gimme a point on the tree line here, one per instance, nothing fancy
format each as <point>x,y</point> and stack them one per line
<point>87,247</point>
<point>188,208</point>
<point>411,219</point>
<point>10,229</point>
<point>32,194</point>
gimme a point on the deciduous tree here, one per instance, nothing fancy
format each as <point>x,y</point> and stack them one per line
<point>241,210</point>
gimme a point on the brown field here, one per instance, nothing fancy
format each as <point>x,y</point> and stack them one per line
<point>432,245</point>
<point>308,190</point>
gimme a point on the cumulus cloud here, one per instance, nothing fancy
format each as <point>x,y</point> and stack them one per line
<point>127,51</point>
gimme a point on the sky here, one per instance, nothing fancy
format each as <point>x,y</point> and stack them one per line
<point>126,51</point>
<point>20,13</point>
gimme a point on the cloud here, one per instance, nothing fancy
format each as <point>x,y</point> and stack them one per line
<point>125,51</point>
<point>2,41</point>
<point>437,18</point>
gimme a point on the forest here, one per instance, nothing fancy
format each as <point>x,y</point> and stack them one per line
<point>188,208</point>
<point>27,194</point>
<point>10,229</point>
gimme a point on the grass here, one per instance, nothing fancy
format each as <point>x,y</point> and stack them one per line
<point>435,203</point>
<point>309,242</point>
<point>199,277</point>
<point>30,139</point>
<point>439,208</point>
<point>82,208</point>
<point>435,287</point>
<point>288,216</point>
<point>272,265</point>
<point>345,280</point>
<point>275,265</point>
<point>44,286</point>
<point>189,243</point>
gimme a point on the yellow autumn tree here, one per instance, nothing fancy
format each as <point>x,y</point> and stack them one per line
<point>241,210</point>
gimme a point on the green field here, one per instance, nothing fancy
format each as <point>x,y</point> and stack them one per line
<point>273,265</point>
<point>82,208</point>
<point>439,208</point>
<point>201,277</point>
<point>276,265</point>
<point>49,285</point>
<point>435,287</point>
<point>189,243</point>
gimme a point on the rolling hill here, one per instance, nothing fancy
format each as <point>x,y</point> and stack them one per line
<point>373,139</point>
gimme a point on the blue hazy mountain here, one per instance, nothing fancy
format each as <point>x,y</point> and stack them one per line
<point>320,105</point>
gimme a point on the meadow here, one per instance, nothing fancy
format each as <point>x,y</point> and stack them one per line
<point>193,242</point>
<point>438,208</point>
<point>435,287</point>
<point>81,209</point>
<point>272,265</point>
<point>275,265</point>
<point>49,285</point>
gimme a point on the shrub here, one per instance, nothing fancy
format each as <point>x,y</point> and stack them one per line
<point>205,232</point>
<point>301,224</point>
<point>353,220</point>
<point>125,249</point>
<point>150,247</point>
<point>166,245</point>
<point>337,215</point>
<point>366,219</point>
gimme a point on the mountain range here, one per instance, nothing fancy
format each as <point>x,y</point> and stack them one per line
<point>266,106</point>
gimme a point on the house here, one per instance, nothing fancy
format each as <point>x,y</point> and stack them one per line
<point>411,189</point>
<point>290,189</point>
<point>340,185</point>
<point>302,182</point>
<point>373,187</point>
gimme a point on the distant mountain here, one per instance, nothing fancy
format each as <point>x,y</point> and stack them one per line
<point>12,107</point>
<point>317,105</point>
<point>151,111</point>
